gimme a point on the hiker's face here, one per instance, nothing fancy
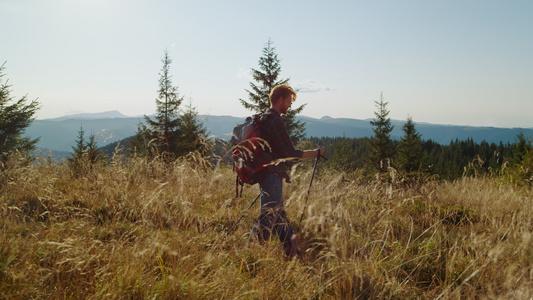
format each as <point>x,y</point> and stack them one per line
<point>287,102</point>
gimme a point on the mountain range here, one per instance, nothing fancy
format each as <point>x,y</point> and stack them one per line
<point>60,134</point>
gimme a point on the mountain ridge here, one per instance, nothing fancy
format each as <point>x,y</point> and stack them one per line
<point>112,114</point>
<point>60,134</point>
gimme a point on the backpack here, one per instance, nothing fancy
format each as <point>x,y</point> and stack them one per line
<point>251,154</point>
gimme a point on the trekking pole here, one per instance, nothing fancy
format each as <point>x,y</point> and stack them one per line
<point>231,229</point>
<point>309,188</point>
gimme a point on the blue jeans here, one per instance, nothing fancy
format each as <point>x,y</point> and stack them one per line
<point>273,218</point>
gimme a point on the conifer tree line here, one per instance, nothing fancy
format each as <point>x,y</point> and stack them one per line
<point>413,157</point>
<point>172,132</point>
<point>176,134</point>
<point>85,154</point>
<point>448,162</point>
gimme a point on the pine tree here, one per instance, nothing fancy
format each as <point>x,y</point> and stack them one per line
<point>14,119</point>
<point>165,128</point>
<point>193,134</point>
<point>382,145</point>
<point>81,146</point>
<point>94,154</point>
<point>85,154</point>
<point>78,159</point>
<point>520,149</point>
<point>410,152</point>
<point>267,78</point>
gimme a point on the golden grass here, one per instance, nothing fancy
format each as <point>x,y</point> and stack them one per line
<point>139,229</point>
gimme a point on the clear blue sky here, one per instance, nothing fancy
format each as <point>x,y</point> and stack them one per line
<point>445,62</point>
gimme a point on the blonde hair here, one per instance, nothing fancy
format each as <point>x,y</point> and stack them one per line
<point>282,90</point>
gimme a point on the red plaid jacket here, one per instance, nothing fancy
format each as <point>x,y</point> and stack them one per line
<point>273,131</point>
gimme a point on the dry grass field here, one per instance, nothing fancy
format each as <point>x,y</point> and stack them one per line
<point>136,229</point>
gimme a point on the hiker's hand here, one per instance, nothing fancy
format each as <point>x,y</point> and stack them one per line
<point>319,152</point>
<point>312,153</point>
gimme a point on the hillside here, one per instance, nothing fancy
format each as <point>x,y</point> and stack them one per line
<point>60,134</point>
<point>137,229</point>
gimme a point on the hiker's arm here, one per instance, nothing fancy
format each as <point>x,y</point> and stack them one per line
<point>312,153</point>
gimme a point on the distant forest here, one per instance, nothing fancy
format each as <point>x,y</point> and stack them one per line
<point>442,161</point>
<point>448,162</point>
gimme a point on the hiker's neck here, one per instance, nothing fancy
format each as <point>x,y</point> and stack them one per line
<point>277,108</point>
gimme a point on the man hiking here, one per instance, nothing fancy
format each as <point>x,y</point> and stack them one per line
<point>273,218</point>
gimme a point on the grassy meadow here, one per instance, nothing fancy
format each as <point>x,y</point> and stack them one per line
<point>138,229</point>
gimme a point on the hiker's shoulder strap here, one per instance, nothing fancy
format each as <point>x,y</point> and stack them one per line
<point>261,118</point>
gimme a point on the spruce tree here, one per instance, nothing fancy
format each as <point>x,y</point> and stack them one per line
<point>94,154</point>
<point>164,129</point>
<point>81,146</point>
<point>520,149</point>
<point>193,134</point>
<point>382,145</point>
<point>267,78</point>
<point>410,150</point>
<point>15,117</point>
<point>78,159</point>
<point>85,154</point>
